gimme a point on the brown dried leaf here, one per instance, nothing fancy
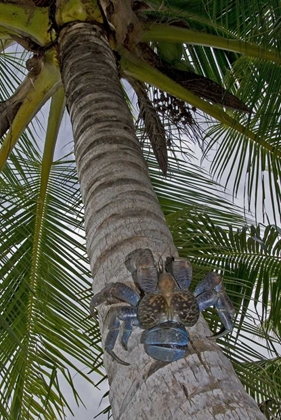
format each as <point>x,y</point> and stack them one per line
<point>153,126</point>
<point>205,88</point>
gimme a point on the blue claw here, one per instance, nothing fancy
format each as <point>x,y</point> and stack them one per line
<point>211,292</point>
<point>226,320</point>
<point>209,282</point>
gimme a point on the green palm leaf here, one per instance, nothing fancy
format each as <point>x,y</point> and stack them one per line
<point>255,81</point>
<point>45,288</point>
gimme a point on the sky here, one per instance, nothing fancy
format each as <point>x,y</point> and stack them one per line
<point>92,398</point>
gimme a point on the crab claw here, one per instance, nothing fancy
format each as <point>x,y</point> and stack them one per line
<point>226,314</point>
<point>211,292</point>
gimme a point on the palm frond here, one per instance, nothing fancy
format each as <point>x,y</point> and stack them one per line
<point>12,70</point>
<point>253,80</point>
<point>189,186</point>
<point>249,254</point>
<point>256,22</point>
<point>260,172</point>
<point>45,289</point>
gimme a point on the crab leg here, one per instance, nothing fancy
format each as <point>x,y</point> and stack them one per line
<point>142,267</point>
<point>114,293</point>
<point>113,327</point>
<point>128,329</point>
<point>224,307</point>
<point>127,314</point>
<point>181,269</point>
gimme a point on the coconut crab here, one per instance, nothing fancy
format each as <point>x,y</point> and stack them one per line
<point>163,308</point>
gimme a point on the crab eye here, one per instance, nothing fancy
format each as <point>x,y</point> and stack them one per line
<point>166,342</point>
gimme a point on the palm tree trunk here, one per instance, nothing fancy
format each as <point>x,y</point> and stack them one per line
<point>122,214</point>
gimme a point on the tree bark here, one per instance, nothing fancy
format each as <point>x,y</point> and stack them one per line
<point>122,214</point>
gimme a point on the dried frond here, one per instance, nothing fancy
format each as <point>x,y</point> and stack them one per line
<point>205,88</point>
<point>177,117</point>
<point>152,123</point>
<point>178,122</point>
<point>178,111</point>
<point>200,85</point>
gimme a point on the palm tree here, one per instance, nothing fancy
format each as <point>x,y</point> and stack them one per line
<point>79,52</point>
